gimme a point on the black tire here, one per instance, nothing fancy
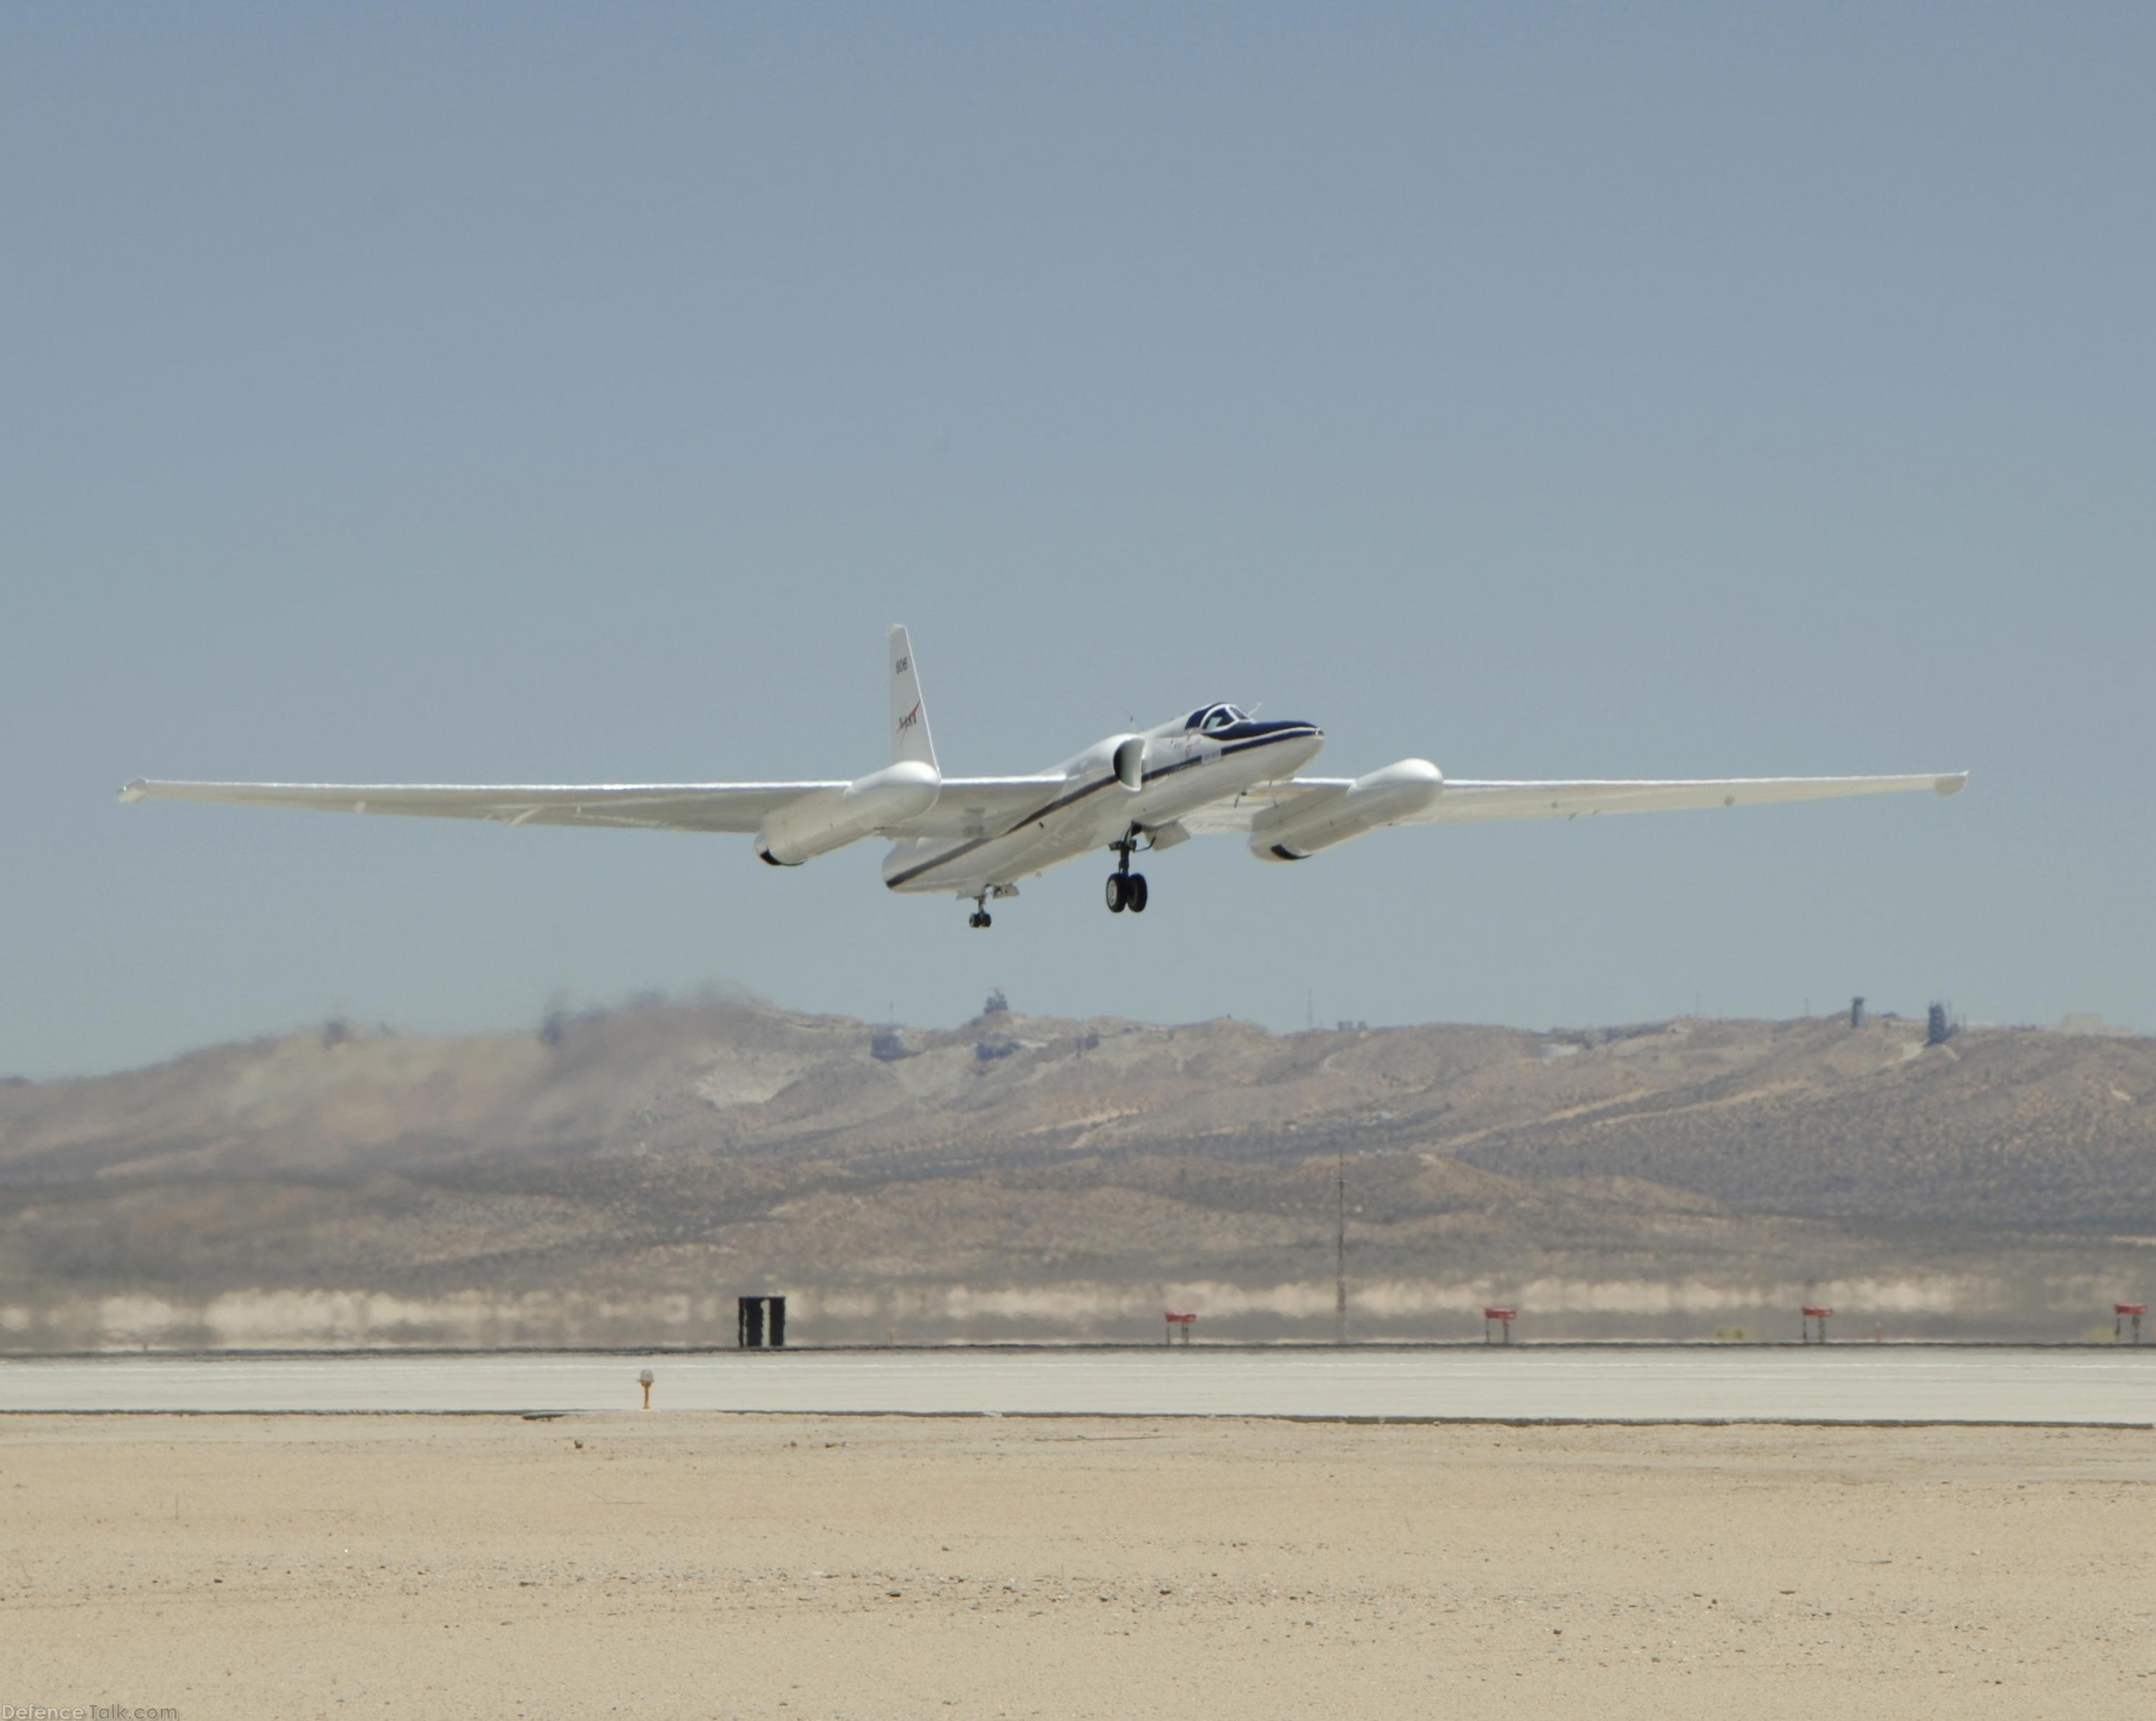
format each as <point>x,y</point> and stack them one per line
<point>1115,892</point>
<point>1134,893</point>
<point>987,920</point>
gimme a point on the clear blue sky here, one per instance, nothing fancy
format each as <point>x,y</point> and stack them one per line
<point>464,393</point>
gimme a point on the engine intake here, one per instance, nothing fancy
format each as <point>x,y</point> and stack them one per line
<point>1129,760</point>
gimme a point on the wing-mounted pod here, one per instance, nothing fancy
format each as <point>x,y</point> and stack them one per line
<point>830,818</point>
<point>1318,819</point>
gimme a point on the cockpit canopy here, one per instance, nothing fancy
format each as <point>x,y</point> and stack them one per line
<point>1211,720</point>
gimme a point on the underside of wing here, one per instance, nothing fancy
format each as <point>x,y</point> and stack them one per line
<point>1468,802</point>
<point>1237,815</point>
<point>656,807</point>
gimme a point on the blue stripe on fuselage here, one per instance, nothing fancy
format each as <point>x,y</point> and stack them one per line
<point>1237,737</point>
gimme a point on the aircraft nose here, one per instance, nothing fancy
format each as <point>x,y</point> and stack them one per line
<point>1297,739</point>
<point>1274,732</point>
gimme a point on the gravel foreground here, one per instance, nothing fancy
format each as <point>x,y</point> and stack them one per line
<point>801,1566</point>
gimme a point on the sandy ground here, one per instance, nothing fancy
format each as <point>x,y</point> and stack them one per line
<point>797,1567</point>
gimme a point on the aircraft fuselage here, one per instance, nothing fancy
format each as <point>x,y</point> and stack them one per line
<point>1087,802</point>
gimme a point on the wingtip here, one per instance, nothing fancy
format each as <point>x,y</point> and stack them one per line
<point>133,792</point>
<point>1952,784</point>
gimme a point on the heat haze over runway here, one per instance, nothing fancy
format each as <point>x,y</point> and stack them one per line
<point>1852,1383</point>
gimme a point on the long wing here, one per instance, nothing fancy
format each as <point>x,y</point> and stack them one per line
<point>657,807</point>
<point>1466,802</point>
<point>968,806</point>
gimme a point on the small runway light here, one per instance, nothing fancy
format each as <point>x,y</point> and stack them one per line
<point>644,1381</point>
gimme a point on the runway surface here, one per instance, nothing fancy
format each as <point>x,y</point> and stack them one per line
<point>1829,1383</point>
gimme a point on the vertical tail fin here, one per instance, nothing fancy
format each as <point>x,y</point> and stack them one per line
<point>909,715</point>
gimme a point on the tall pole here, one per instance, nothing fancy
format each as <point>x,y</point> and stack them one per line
<point>1339,1254</point>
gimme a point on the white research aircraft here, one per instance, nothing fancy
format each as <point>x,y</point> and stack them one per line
<point>1214,771</point>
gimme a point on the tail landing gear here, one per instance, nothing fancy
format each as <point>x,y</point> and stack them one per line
<point>1126,888</point>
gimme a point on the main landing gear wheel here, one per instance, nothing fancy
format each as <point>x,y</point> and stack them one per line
<point>1126,888</point>
<point>980,917</point>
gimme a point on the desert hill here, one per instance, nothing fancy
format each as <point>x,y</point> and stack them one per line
<point>617,1176</point>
